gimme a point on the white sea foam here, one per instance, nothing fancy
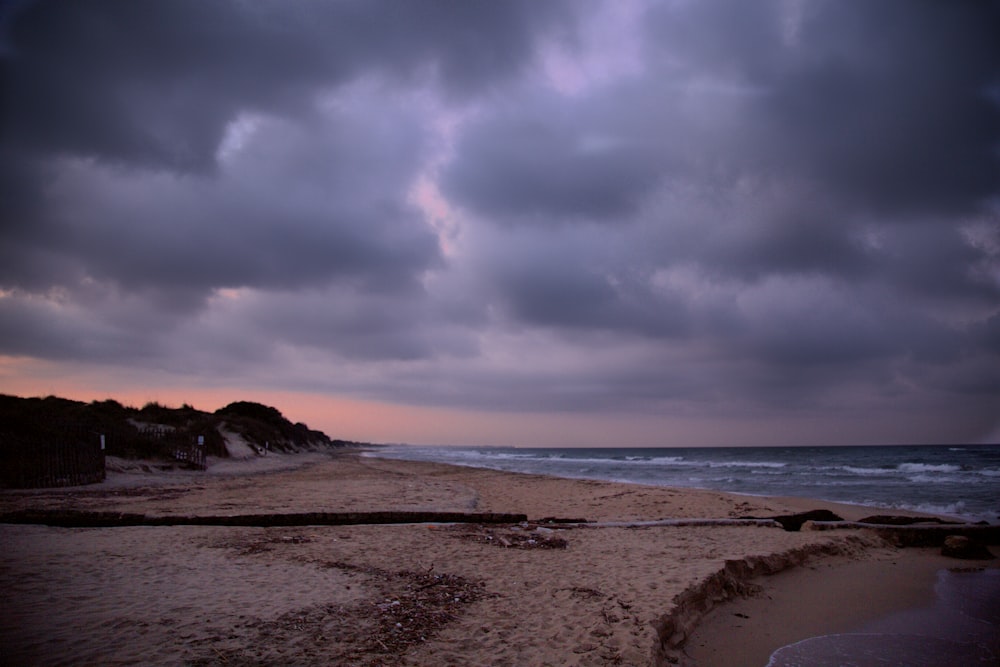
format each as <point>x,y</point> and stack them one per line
<point>956,509</point>
<point>867,471</point>
<point>938,479</point>
<point>924,467</point>
<point>746,464</point>
<point>513,457</point>
<point>667,459</point>
<point>655,460</point>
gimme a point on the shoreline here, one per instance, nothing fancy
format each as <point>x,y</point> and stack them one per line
<point>951,483</point>
<point>130,474</point>
<point>556,595</point>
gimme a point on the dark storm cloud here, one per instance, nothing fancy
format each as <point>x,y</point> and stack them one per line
<point>30,329</point>
<point>88,323</point>
<point>156,83</point>
<point>358,327</point>
<point>158,86</point>
<point>574,280</point>
<point>894,111</point>
<point>988,334</point>
<point>791,238</point>
<point>304,205</point>
<point>117,122</point>
<point>550,159</point>
<point>840,116</point>
<point>887,106</point>
<point>815,322</point>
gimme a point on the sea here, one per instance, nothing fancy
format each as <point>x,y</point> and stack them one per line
<point>961,481</point>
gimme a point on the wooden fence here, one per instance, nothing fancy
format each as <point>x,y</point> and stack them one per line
<point>190,452</point>
<point>181,447</point>
<point>67,460</point>
<point>70,455</point>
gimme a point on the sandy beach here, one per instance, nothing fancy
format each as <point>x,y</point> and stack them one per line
<point>464,594</point>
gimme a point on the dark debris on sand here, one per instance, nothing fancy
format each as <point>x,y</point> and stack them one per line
<point>414,607</point>
<point>409,609</point>
<point>256,545</point>
<point>515,537</point>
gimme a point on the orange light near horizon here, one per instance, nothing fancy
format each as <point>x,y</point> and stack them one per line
<point>362,420</point>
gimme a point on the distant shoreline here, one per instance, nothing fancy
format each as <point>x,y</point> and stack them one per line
<point>963,483</point>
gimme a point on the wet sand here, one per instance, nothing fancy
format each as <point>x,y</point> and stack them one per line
<point>827,597</point>
<point>403,594</point>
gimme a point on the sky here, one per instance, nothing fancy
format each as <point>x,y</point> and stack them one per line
<point>622,223</point>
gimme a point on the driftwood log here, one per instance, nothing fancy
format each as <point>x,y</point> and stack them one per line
<point>82,519</point>
<point>793,522</point>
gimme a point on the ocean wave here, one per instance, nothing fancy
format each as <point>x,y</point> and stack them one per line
<point>511,456</point>
<point>745,464</point>
<point>673,461</point>
<point>802,486</point>
<point>956,509</point>
<point>910,468</point>
<point>636,461</point>
<point>938,479</point>
<point>927,467</point>
<point>866,471</point>
<point>657,460</point>
<point>613,462</point>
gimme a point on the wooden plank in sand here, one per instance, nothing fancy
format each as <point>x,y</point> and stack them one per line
<point>83,519</point>
<point>916,535</point>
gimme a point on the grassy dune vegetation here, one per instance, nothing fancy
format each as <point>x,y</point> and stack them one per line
<point>150,431</point>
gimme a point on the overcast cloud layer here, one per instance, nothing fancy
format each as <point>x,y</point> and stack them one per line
<point>714,210</point>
